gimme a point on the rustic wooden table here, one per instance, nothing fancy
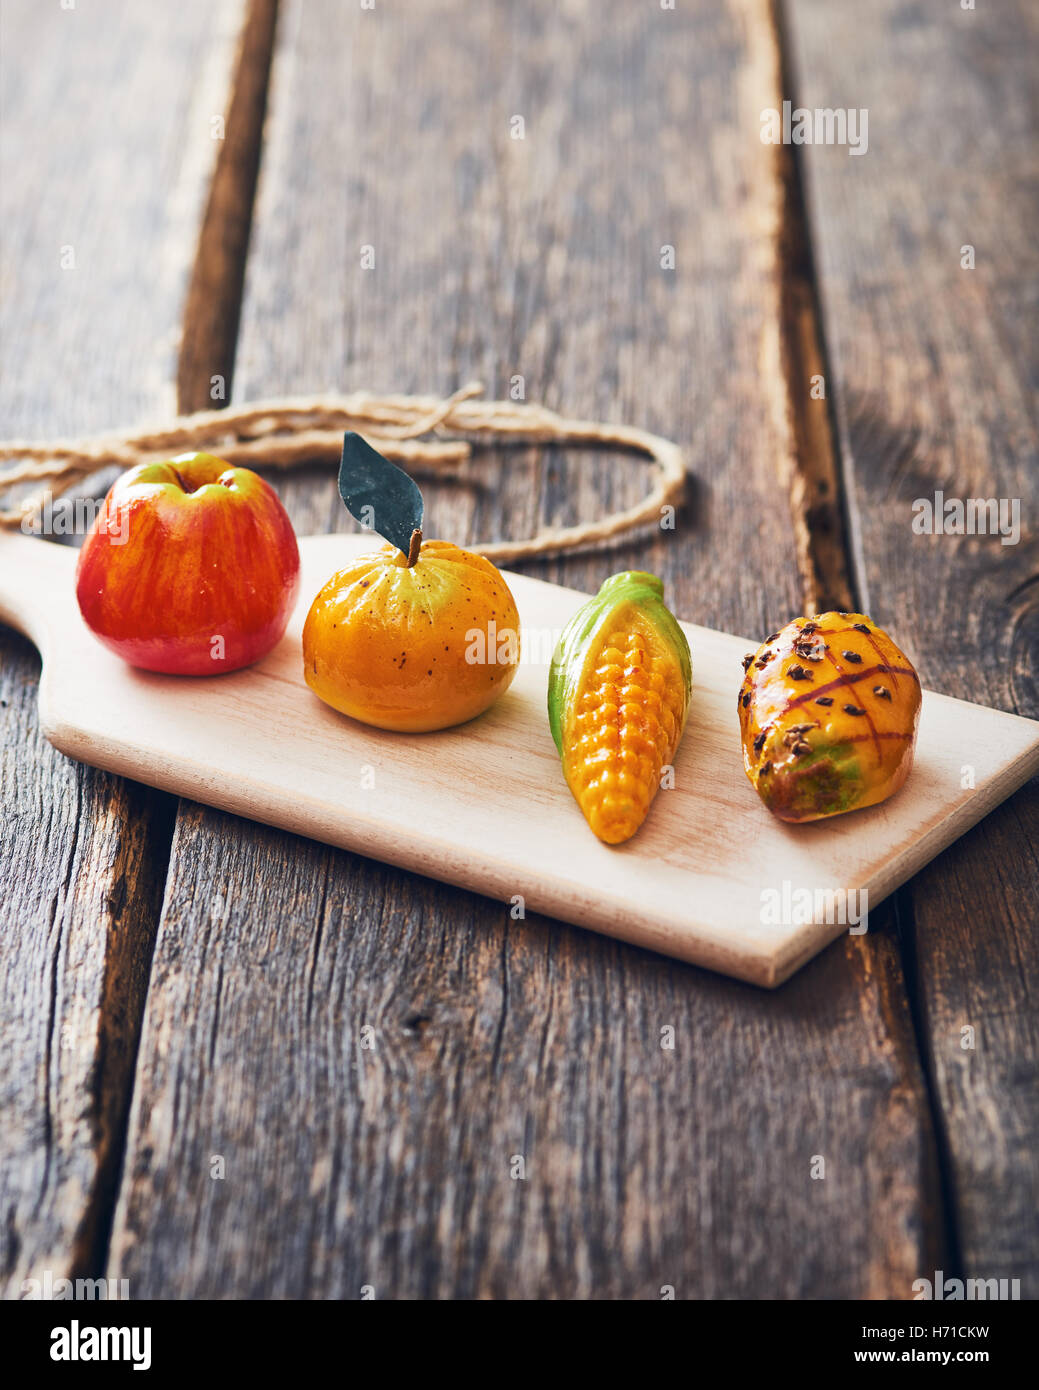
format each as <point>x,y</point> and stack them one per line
<point>185,1104</point>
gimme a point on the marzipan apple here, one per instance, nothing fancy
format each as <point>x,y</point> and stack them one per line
<point>191,568</point>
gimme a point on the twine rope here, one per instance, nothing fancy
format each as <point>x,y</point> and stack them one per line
<point>285,433</point>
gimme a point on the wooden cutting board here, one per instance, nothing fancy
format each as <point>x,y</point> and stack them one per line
<point>711,877</point>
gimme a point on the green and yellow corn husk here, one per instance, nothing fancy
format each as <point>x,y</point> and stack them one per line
<point>618,696</point>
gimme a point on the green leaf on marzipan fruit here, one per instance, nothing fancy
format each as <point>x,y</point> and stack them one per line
<point>378,494</point>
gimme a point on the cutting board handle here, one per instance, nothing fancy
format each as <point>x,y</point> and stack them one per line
<point>35,580</point>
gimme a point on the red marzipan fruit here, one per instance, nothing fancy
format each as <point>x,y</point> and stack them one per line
<point>192,567</point>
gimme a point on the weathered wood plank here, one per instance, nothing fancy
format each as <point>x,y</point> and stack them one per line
<point>205,366</point>
<point>645,1167</point>
<point>106,150</point>
<point>933,373</point>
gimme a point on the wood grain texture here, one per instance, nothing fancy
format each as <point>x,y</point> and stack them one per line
<point>493,1038</point>
<point>205,364</point>
<point>105,152</point>
<point>934,372</point>
<point>485,806</point>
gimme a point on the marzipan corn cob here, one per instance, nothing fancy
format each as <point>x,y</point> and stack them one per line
<point>618,695</point>
<point>828,712</point>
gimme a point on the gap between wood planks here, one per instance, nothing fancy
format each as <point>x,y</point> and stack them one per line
<point>814,475</point>
<point>819,505</point>
<point>209,338</point>
<point>905,929</point>
<point>127,972</point>
<point>816,487</point>
<point>208,345</point>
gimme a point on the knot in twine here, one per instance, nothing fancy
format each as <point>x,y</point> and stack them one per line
<point>287,432</point>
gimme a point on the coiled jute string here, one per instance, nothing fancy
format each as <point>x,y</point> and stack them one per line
<point>307,429</point>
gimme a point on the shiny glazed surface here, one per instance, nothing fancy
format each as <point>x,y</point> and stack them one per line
<point>412,649</point>
<point>828,712</point>
<point>192,567</point>
<point>618,698</point>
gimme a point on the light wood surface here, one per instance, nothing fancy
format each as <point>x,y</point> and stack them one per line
<point>485,806</point>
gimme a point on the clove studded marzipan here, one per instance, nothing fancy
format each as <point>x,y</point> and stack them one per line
<point>828,712</point>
